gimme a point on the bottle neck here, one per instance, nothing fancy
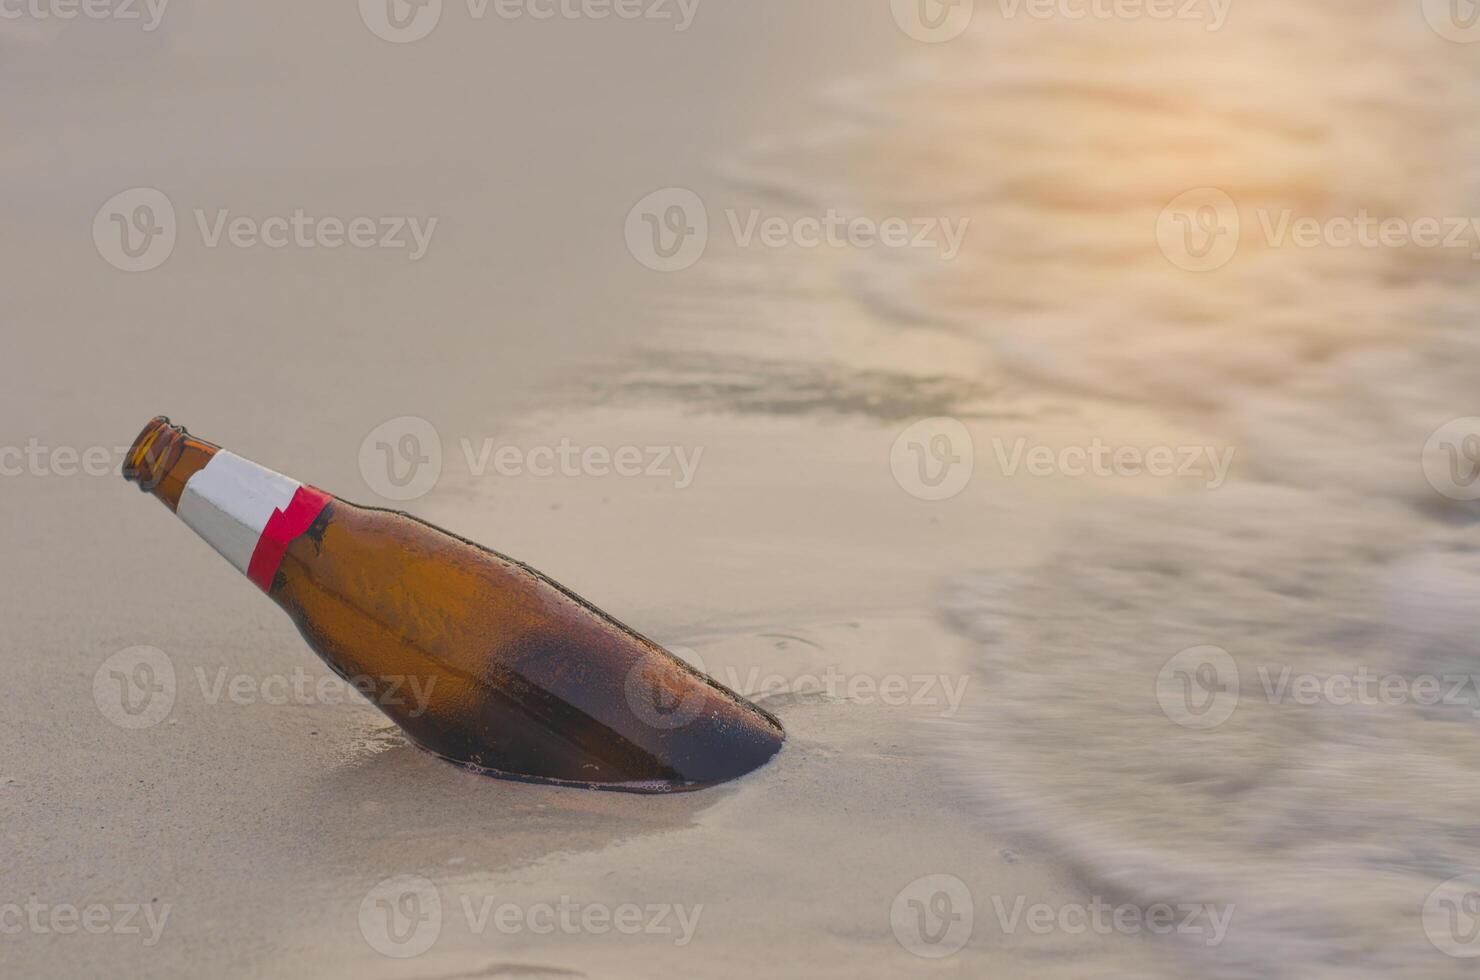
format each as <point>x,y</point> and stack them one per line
<point>248,513</point>
<point>163,459</point>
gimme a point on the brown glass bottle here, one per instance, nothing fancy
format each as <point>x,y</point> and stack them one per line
<point>479,658</point>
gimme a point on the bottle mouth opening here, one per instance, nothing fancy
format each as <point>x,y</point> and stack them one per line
<point>153,452</point>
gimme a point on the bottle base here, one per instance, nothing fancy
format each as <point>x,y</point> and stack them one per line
<point>645,787</point>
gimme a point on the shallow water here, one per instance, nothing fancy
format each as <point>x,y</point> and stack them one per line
<point>1325,825</point>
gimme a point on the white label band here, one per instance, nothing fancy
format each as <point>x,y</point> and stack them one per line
<point>229,503</point>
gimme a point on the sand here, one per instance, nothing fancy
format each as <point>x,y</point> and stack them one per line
<point>243,827</point>
<point>982,764</point>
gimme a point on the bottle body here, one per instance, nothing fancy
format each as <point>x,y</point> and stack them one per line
<point>479,658</point>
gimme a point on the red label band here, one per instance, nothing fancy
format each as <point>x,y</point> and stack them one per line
<point>282,527</point>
